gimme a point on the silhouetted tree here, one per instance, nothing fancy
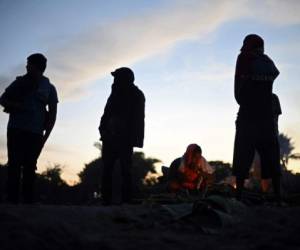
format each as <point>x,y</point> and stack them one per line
<point>51,188</point>
<point>90,180</point>
<point>290,181</point>
<point>141,166</point>
<point>98,145</point>
<point>286,150</point>
<point>222,170</point>
<point>90,176</point>
<point>53,175</point>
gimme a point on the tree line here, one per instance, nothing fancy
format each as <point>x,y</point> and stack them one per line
<point>51,188</point>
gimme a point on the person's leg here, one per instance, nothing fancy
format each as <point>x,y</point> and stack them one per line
<point>15,155</point>
<point>126,165</point>
<point>240,181</point>
<point>28,183</point>
<point>270,159</point>
<point>243,155</point>
<point>276,173</point>
<point>109,158</point>
<point>265,185</point>
<point>30,161</point>
<point>173,186</point>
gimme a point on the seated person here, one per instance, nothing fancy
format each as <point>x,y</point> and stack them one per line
<point>191,171</point>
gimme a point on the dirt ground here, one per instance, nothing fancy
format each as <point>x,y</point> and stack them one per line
<point>143,227</point>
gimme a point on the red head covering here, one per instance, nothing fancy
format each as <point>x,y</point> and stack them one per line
<point>189,154</point>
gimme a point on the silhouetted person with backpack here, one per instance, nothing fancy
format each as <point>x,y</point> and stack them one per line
<point>31,102</point>
<point>255,124</point>
<point>121,128</point>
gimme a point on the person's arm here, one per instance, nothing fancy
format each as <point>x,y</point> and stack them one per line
<point>104,119</point>
<point>50,121</point>
<point>51,114</point>
<point>241,77</point>
<point>138,126</point>
<point>206,167</point>
<point>237,81</point>
<point>276,105</point>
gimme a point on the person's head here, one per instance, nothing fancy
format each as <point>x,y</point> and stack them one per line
<point>36,64</point>
<point>253,43</point>
<point>192,155</point>
<point>123,76</point>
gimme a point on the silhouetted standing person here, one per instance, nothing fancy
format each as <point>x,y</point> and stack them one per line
<point>121,129</point>
<point>31,101</point>
<point>255,126</point>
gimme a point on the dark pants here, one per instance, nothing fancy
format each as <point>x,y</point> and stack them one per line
<point>23,151</point>
<point>111,152</point>
<point>262,137</point>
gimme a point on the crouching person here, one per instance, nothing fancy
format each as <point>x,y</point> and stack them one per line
<point>190,172</point>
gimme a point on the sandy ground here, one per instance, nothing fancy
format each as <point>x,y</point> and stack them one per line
<point>143,227</point>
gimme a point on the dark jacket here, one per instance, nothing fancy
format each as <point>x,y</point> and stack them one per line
<point>254,77</point>
<point>17,92</point>
<point>26,100</point>
<point>123,120</point>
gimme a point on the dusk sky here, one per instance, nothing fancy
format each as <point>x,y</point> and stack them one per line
<point>183,54</point>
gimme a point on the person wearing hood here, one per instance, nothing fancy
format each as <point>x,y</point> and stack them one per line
<point>121,129</point>
<point>31,102</point>
<point>255,127</point>
<point>189,172</point>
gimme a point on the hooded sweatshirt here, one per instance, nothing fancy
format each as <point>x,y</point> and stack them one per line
<point>34,98</point>
<point>254,78</point>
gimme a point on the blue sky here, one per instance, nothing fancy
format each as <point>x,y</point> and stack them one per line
<point>182,52</point>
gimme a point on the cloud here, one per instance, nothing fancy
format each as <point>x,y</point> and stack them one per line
<point>4,80</point>
<point>277,12</point>
<point>56,148</point>
<point>94,53</point>
<point>105,47</point>
<point>212,72</point>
